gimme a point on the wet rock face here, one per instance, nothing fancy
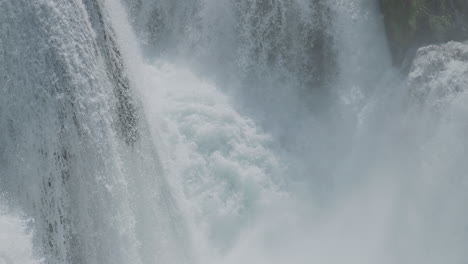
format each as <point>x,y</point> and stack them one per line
<point>411,24</point>
<point>439,74</point>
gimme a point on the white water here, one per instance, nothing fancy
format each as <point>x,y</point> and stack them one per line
<point>356,173</point>
<point>221,164</point>
<point>74,155</point>
<point>15,239</point>
<point>234,189</point>
<point>253,132</point>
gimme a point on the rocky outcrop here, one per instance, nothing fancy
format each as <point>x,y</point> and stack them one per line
<point>411,24</point>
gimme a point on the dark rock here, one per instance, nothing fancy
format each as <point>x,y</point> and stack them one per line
<point>411,24</point>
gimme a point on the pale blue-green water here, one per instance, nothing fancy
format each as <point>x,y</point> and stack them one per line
<point>216,131</point>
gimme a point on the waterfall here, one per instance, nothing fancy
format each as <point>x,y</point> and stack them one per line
<point>76,155</point>
<point>226,131</point>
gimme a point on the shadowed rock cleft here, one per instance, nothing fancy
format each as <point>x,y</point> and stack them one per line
<point>411,24</point>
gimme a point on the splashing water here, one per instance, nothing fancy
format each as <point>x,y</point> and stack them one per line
<point>15,240</point>
<point>247,131</point>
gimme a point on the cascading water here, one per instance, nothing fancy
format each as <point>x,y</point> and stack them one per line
<point>246,131</point>
<point>75,151</point>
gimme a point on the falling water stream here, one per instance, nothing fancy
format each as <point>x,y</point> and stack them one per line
<point>226,131</point>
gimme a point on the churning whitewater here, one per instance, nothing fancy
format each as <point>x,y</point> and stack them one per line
<point>222,132</point>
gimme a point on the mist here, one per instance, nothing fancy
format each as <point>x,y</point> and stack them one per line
<point>216,131</point>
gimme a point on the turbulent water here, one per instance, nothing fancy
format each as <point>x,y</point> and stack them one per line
<point>221,131</point>
<point>16,241</point>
